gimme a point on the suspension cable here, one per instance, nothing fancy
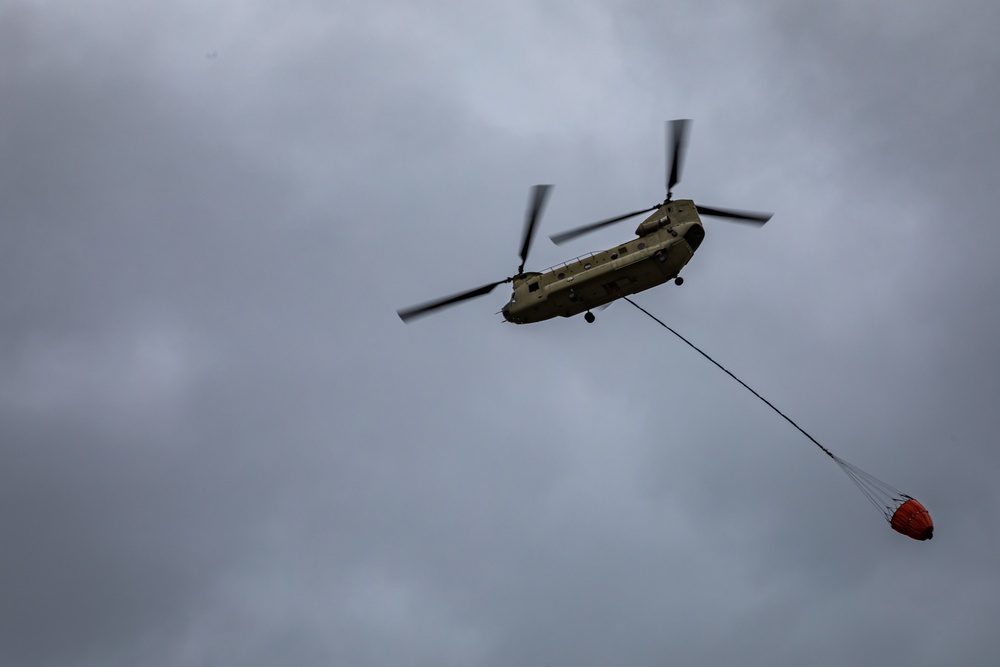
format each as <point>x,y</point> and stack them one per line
<point>884,496</point>
<point>723,369</point>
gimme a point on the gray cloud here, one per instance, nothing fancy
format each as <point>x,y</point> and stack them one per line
<point>222,446</point>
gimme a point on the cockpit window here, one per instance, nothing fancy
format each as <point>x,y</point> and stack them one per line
<point>694,236</point>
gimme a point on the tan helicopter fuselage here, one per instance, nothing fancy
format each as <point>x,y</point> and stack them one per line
<point>666,242</point>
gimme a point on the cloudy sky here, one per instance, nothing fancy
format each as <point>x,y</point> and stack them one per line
<point>222,447</point>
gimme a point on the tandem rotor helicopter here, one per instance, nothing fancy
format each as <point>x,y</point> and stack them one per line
<point>666,241</point>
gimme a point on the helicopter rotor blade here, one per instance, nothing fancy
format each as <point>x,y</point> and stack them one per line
<point>676,145</point>
<point>539,193</point>
<point>407,314</point>
<point>562,237</point>
<point>749,217</point>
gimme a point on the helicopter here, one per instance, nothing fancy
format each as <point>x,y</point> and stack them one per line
<point>666,241</point>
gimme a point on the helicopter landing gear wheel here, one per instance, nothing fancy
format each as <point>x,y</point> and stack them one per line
<point>678,281</point>
<point>589,316</point>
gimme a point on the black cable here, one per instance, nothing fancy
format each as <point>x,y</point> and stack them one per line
<point>723,369</point>
<point>884,496</point>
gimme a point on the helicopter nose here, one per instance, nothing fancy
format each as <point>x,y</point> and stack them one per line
<point>505,311</point>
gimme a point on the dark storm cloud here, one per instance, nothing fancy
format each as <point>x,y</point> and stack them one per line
<point>221,445</point>
<point>125,223</point>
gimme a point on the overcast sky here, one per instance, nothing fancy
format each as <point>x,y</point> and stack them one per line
<point>221,446</point>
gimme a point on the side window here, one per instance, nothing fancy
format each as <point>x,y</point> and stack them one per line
<point>533,287</point>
